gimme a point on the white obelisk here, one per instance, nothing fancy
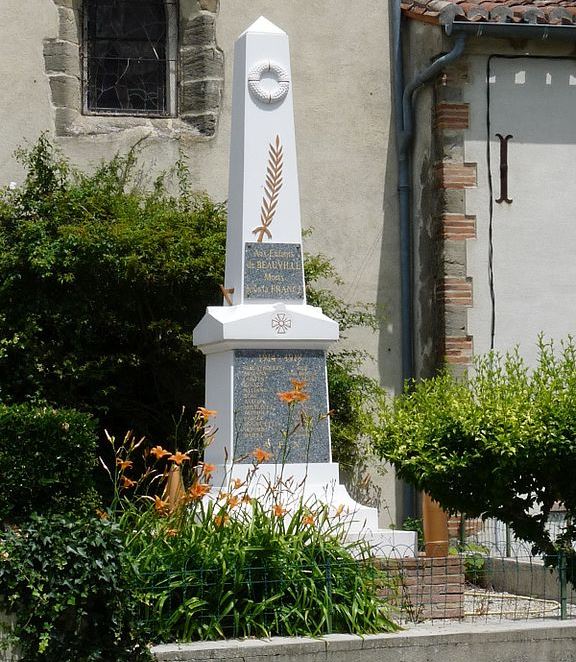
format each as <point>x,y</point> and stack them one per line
<point>265,335</point>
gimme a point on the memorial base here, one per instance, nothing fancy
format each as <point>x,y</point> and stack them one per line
<point>316,485</point>
<point>253,353</point>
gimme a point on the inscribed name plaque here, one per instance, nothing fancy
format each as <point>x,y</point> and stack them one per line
<point>261,419</point>
<point>273,271</point>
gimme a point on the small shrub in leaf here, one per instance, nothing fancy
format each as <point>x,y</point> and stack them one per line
<point>47,460</point>
<point>501,443</point>
<point>101,284</point>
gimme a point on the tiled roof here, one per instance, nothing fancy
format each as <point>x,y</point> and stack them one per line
<point>444,12</point>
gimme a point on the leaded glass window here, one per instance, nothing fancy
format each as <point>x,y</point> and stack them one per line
<point>129,51</point>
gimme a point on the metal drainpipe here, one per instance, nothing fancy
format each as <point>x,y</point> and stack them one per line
<point>404,135</point>
<point>403,99</point>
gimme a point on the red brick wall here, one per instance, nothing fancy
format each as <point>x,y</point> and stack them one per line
<point>425,589</point>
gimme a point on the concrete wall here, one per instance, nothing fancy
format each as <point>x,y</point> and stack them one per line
<point>341,78</point>
<point>523,578</point>
<point>502,642</point>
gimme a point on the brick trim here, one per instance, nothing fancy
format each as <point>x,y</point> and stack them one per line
<point>457,291</point>
<point>453,177</point>
<point>456,175</point>
<point>458,227</point>
<point>458,350</point>
<point>452,116</point>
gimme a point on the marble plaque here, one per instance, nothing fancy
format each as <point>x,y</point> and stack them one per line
<point>261,419</point>
<point>273,271</point>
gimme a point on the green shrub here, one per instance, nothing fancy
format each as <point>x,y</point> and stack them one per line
<point>501,443</point>
<point>101,285</point>
<point>64,580</point>
<point>47,460</point>
<point>253,559</point>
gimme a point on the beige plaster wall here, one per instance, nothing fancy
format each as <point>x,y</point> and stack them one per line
<point>341,77</point>
<point>25,107</point>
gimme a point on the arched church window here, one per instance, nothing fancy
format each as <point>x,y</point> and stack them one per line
<point>129,55</point>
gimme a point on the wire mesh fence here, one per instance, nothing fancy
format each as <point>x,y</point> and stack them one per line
<point>490,575</point>
<point>474,583</point>
<point>282,599</point>
<point>479,586</point>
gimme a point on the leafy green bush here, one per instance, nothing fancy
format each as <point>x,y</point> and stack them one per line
<point>64,580</point>
<point>47,460</point>
<point>101,285</point>
<point>501,443</point>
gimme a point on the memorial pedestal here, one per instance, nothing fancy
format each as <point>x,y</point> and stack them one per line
<point>249,360</point>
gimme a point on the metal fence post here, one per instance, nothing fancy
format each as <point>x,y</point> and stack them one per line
<point>563,584</point>
<point>329,591</point>
<point>508,542</point>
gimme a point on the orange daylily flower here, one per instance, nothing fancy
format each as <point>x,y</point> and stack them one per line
<point>171,533</point>
<point>237,483</point>
<point>208,469</point>
<point>206,413</point>
<point>124,464</point>
<point>222,495</point>
<point>179,457</point>
<point>102,514</point>
<point>261,455</point>
<point>233,501</point>
<point>159,452</point>
<point>278,510</point>
<point>246,499</point>
<point>198,490</point>
<point>308,520</point>
<point>159,505</point>
<point>298,384</point>
<point>221,520</point>
<point>290,397</point>
<point>127,483</point>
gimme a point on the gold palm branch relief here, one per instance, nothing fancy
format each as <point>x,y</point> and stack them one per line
<point>271,189</point>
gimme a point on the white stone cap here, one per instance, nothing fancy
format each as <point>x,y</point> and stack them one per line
<point>267,326</point>
<point>263,26</point>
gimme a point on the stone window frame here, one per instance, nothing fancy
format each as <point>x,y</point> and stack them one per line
<point>199,79</point>
<point>171,68</point>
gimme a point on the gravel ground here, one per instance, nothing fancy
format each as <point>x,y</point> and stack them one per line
<point>489,606</point>
<point>483,604</point>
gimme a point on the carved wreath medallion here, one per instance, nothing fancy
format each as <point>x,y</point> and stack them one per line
<point>279,88</point>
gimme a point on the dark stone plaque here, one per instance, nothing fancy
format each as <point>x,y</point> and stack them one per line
<point>261,419</point>
<point>273,271</point>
